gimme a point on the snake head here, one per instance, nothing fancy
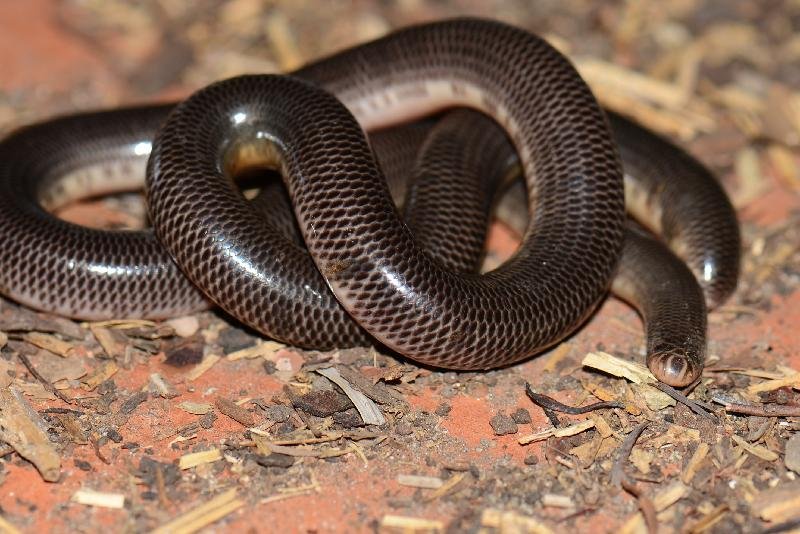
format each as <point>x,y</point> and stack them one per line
<point>675,367</point>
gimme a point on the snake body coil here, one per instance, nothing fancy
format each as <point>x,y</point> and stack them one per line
<point>361,249</point>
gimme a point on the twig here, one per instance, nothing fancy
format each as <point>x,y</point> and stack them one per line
<point>618,471</point>
<point>691,387</point>
<point>758,433</point>
<point>683,399</point>
<point>46,383</point>
<point>645,505</point>
<point>764,410</point>
<point>549,403</point>
<point>783,527</point>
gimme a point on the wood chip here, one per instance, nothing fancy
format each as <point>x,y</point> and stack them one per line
<point>195,408</point>
<point>778,504</point>
<point>792,453</point>
<point>24,429</point>
<point>162,387</point>
<point>602,426</point>
<point>99,375</point>
<point>662,500</point>
<point>602,73</point>
<point>113,342</point>
<point>668,496</point>
<point>7,528</point>
<point>557,501</point>
<point>123,324</point>
<point>556,356</point>
<point>419,481</point>
<point>98,498</point>
<point>792,380</point>
<point>288,493</point>
<point>694,462</point>
<point>187,461</point>
<point>571,430</point>
<point>755,450</point>
<point>265,446</point>
<point>235,412</point>
<point>636,373</point>
<point>53,368</point>
<point>197,371</point>
<point>709,519</point>
<point>675,434</point>
<point>367,409</point>
<point>448,487</point>
<point>185,326</point>
<point>785,166</point>
<point>410,525</point>
<point>263,349</point>
<point>51,343</point>
<point>203,515</point>
<point>512,522</point>
<point>280,34</point>
<point>6,370</point>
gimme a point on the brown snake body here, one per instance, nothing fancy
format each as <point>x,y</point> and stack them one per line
<point>361,249</point>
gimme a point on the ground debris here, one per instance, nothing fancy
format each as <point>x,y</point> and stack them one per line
<point>23,429</point>
<point>235,412</point>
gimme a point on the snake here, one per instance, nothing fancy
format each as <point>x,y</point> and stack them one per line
<point>363,275</point>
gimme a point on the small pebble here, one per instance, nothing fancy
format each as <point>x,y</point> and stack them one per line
<point>83,465</point>
<point>133,402</point>
<point>233,339</point>
<point>531,459</point>
<point>521,416</point>
<point>322,403</point>
<point>443,410</point>
<point>503,424</point>
<point>113,435</point>
<point>184,355</point>
<point>279,413</point>
<point>207,421</point>
<point>403,429</point>
<point>450,377</point>
<point>270,367</point>
<point>185,326</point>
<point>274,460</point>
<point>348,418</point>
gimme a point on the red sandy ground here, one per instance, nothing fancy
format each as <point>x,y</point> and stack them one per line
<point>37,54</point>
